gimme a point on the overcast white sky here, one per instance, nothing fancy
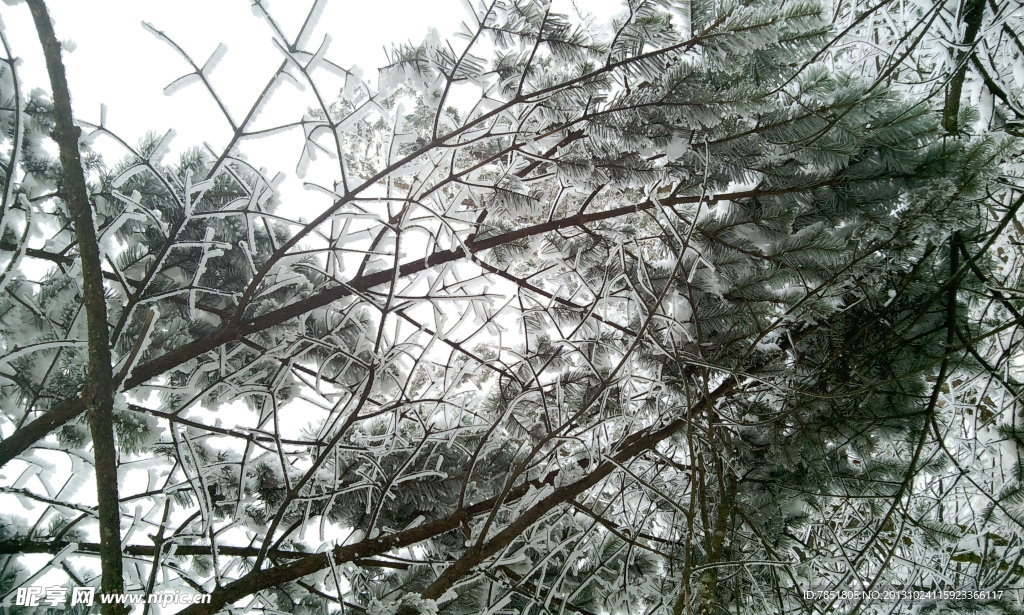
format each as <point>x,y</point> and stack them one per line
<point>117,62</point>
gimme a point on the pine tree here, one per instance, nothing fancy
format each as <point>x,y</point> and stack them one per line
<point>684,315</point>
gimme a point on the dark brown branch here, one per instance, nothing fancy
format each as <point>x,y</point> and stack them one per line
<point>16,547</point>
<point>630,447</point>
<point>234,332</point>
<point>973,11</point>
<point>99,394</point>
<point>8,547</point>
<point>258,580</point>
<point>27,435</point>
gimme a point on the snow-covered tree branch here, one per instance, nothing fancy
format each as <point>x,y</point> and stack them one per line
<point>709,307</point>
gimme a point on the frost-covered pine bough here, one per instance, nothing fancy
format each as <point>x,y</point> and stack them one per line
<point>687,311</point>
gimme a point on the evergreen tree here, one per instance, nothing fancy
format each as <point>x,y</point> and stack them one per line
<point>682,315</point>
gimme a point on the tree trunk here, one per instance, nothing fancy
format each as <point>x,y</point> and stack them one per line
<point>98,394</point>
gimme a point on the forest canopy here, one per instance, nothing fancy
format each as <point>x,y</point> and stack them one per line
<point>712,307</point>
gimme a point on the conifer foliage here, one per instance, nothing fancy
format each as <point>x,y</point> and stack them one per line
<point>715,307</point>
